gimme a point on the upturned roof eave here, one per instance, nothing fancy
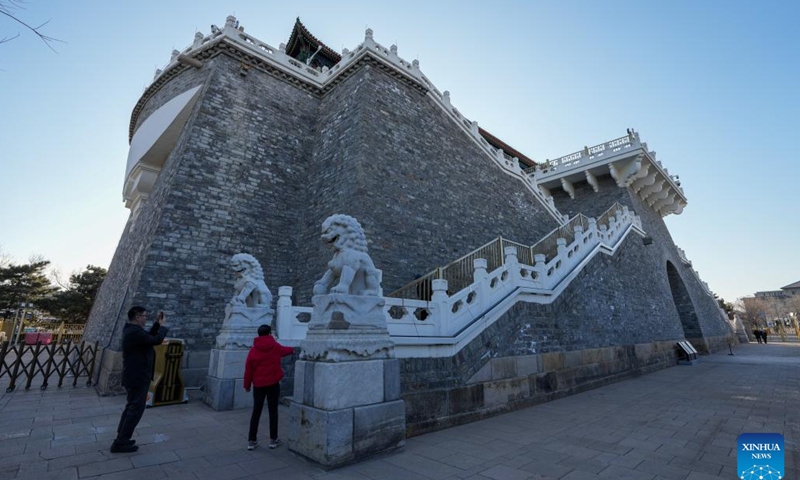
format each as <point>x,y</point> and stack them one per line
<point>301,30</point>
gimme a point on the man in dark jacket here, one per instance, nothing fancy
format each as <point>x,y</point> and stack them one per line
<point>138,360</point>
<point>262,369</point>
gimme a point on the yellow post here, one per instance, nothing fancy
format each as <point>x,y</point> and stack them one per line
<point>60,333</point>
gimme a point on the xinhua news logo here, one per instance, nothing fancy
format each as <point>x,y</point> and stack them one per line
<point>760,456</point>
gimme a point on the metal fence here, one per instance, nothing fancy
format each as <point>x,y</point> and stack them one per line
<point>43,363</point>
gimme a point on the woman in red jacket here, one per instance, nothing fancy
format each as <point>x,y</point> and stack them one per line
<point>263,371</point>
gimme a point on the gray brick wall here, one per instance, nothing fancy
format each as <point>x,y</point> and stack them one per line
<point>608,304</point>
<point>623,305</point>
<point>424,193</point>
<point>694,303</point>
<point>259,166</point>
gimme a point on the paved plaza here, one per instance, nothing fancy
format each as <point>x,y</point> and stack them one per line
<point>678,423</point>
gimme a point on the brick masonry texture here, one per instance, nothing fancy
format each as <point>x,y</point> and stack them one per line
<point>633,307</point>
<point>261,163</point>
<point>661,273</point>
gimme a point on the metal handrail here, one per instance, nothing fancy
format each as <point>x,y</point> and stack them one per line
<point>459,273</point>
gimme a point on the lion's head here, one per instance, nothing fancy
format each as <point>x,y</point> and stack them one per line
<point>343,232</point>
<point>247,266</point>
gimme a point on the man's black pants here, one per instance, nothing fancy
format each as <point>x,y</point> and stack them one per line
<point>134,409</point>
<point>272,393</point>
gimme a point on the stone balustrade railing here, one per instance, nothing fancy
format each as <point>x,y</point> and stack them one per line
<point>687,262</point>
<point>590,154</point>
<point>682,256</point>
<point>445,323</point>
<point>605,153</point>
<point>322,77</point>
<point>459,272</point>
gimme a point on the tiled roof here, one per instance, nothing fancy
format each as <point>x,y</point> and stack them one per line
<point>791,285</point>
<point>497,143</point>
<point>299,32</point>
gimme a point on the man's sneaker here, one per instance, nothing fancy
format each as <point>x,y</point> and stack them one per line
<point>123,448</point>
<point>252,445</point>
<point>128,442</point>
<point>275,443</point>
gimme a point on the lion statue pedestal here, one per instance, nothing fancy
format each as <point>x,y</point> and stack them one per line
<point>241,326</point>
<point>345,328</point>
<point>346,404</point>
<point>248,309</point>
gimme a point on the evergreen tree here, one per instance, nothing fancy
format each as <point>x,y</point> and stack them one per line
<point>729,308</point>
<point>23,284</point>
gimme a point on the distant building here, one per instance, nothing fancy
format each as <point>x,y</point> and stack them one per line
<point>772,294</point>
<point>792,288</point>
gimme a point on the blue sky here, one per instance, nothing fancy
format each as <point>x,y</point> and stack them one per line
<point>711,86</point>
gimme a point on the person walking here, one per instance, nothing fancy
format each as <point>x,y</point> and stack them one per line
<point>262,371</point>
<point>138,360</point>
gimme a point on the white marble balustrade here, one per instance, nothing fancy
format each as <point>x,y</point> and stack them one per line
<point>590,155</point>
<point>441,326</point>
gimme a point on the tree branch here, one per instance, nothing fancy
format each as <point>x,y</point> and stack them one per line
<point>6,10</point>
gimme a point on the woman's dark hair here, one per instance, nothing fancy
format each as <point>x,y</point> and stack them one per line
<point>264,330</point>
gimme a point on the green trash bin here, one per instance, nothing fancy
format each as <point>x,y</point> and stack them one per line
<point>167,386</point>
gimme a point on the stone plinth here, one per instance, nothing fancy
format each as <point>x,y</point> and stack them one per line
<point>346,404</point>
<point>224,388</point>
<point>343,412</point>
<point>347,327</point>
<point>241,326</point>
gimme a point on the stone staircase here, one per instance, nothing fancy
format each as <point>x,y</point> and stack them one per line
<point>441,312</point>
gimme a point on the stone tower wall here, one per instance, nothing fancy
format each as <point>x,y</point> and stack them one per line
<point>262,162</point>
<point>116,294</point>
<point>616,319</point>
<point>607,325</point>
<point>653,271</point>
<point>423,191</point>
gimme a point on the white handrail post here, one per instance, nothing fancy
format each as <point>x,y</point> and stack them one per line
<point>578,234</point>
<point>440,313</point>
<point>539,267</point>
<point>480,284</point>
<point>283,313</point>
<point>561,245</point>
<point>512,264</point>
<point>439,287</point>
<point>579,251</point>
<point>592,231</point>
<point>479,266</point>
<point>604,233</point>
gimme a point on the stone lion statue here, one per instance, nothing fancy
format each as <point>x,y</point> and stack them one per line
<point>351,270</point>
<point>250,288</point>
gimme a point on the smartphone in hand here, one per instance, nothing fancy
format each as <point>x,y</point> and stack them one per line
<point>160,317</point>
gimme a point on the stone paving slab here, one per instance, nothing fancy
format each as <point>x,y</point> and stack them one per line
<point>679,423</point>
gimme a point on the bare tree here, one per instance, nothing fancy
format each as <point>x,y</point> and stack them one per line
<point>776,311</point>
<point>10,9</point>
<point>751,310</point>
<point>793,307</point>
<point>5,258</point>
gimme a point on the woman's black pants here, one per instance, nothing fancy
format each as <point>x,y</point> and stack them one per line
<point>271,393</point>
